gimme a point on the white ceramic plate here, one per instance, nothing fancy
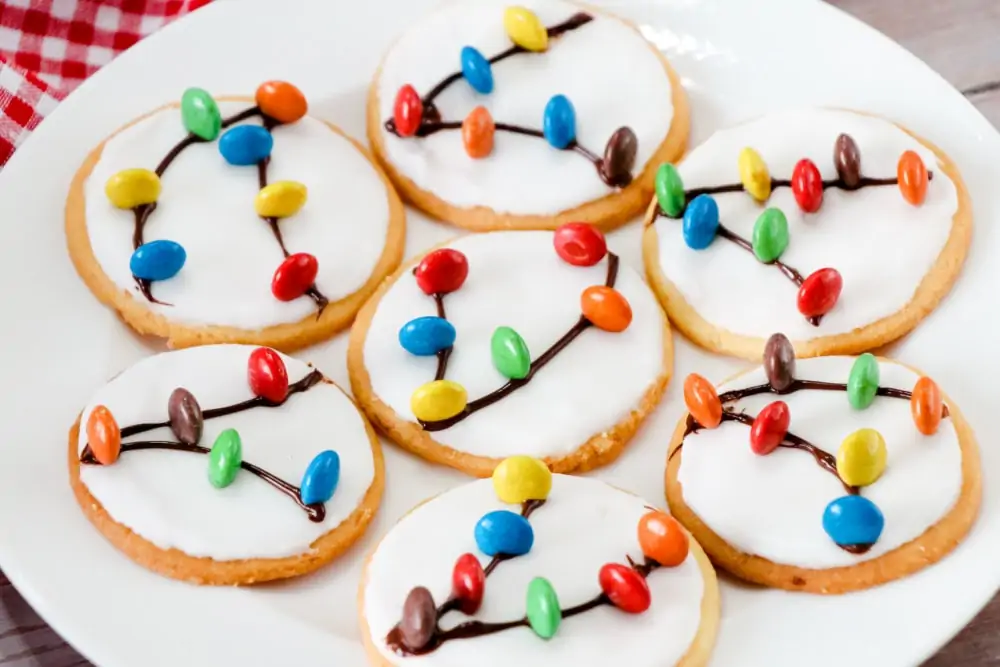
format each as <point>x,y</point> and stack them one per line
<point>57,345</point>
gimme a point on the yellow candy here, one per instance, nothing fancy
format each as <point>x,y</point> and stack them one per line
<point>754,175</point>
<point>521,478</point>
<point>133,187</point>
<point>861,457</point>
<point>524,29</point>
<point>437,400</point>
<point>280,200</point>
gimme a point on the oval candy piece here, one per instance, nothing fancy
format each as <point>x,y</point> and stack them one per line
<point>525,29</point>
<point>200,114</point>
<point>419,619</point>
<point>770,235</point>
<point>807,186</point>
<point>281,101</point>
<point>662,539</point>
<point>186,420</point>
<point>580,244</point>
<point>606,308</point>
<point>280,199</point>
<point>779,362</point>
<point>559,122</point>
<point>104,437</point>
<point>625,587</point>
<point>267,375</point>
<point>543,611</point>
<point>468,583</point>
<point>157,260</point>
<point>701,222</point>
<point>294,276</point>
<point>504,532</point>
<point>862,384</point>
<point>754,174</point>
<point>477,70</point>
<point>130,188</point>
<point>245,145</point>
<point>519,479</point>
<point>853,521</point>
<point>912,175</point>
<point>426,336</point>
<point>670,190</point>
<point>847,159</point>
<point>769,428</point>
<point>702,401</point>
<point>225,458</point>
<point>442,271</point>
<point>510,353</point>
<point>320,479</point>
<point>438,400</point>
<point>407,111</point>
<point>819,292</point>
<point>926,406</point>
<point>619,157</point>
<point>861,457</point>
<point>478,129</point>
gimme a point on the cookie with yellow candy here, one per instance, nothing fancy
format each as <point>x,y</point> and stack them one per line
<point>233,220</point>
<point>841,473</point>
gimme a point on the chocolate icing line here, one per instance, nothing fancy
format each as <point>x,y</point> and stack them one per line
<point>512,385</point>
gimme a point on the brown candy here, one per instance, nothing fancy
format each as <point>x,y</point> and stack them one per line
<point>847,158</point>
<point>419,619</point>
<point>185,416</point>
<point>619,157</point>
<point>779,361</point>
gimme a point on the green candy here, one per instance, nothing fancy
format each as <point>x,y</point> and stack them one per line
<point>510,353</point>
<point>670,190</point>
<point>225,458</point>
<point>862,384</point>
<point>770,235</point>
<point>200,114</point>
<point>544,614</point>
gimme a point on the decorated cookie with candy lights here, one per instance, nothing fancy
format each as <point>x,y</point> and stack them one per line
<point>539,343</point>
<point>226,464</point>
<point>795,222</point>
<point>531,564</point>
<point>825,475</point>
<point>233,220</point>
<point>497,116</point>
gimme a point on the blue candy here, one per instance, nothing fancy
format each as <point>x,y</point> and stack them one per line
<point>321,477</point>
<point>559,122</point>
<point>157,260</point>
<point>504,532</point>
<point>701,222</point>
<point>477,70</point>
<point>426,336</point>
<point>244,145</point>
<point>853,520</point>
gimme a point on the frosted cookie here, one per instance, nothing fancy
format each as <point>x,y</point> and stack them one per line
<point>841,229</point>
<point>492,116</point>
<point>226,464</point>
<point>899,493</point>
<point>580,574</point>
<point>233,220</point>
<point>506,343</point>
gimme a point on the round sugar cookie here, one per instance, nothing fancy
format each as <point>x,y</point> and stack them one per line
<point>226,464</point>
<point>594,585</point>
<point>797,222</point>
<point>494,345</point>
<point>857,472</point>
<point>225,221</point>
<point>492,116</point>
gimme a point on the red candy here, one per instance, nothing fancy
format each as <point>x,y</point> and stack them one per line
<point>820,291</point>
<point>468,582</point>
<point>267,375</point>
<point>408,111</point>
<point>625,587</point>
<point>769,428</point>
<point>442,271</point>
<point>294,276</point>
<point>580,244</point>
<point>807,186</point>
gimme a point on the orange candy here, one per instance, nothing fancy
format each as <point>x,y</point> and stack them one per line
<point>702,401</point>
<point>477,133</point>
<point>926,406</point>
<point>912,175</point>
<point>606,308</point>
<point>281,101</point>
<point>103,435</point>
<point>662,539</point>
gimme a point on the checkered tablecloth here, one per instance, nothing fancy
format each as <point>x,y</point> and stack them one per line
<point>47,47</point>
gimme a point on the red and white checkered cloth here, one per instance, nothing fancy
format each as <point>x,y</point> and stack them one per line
<point>47,47</point>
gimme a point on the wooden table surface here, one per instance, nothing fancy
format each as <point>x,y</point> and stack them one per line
<point>958,38</point>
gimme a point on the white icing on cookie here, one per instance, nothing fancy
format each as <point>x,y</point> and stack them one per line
<point>165,496</point>
<point>772,506</point>
<point>583,525</point>
<point>516,279</point>
<point>608,71</point>
<point>207,205</point>
<point>866,234</point>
